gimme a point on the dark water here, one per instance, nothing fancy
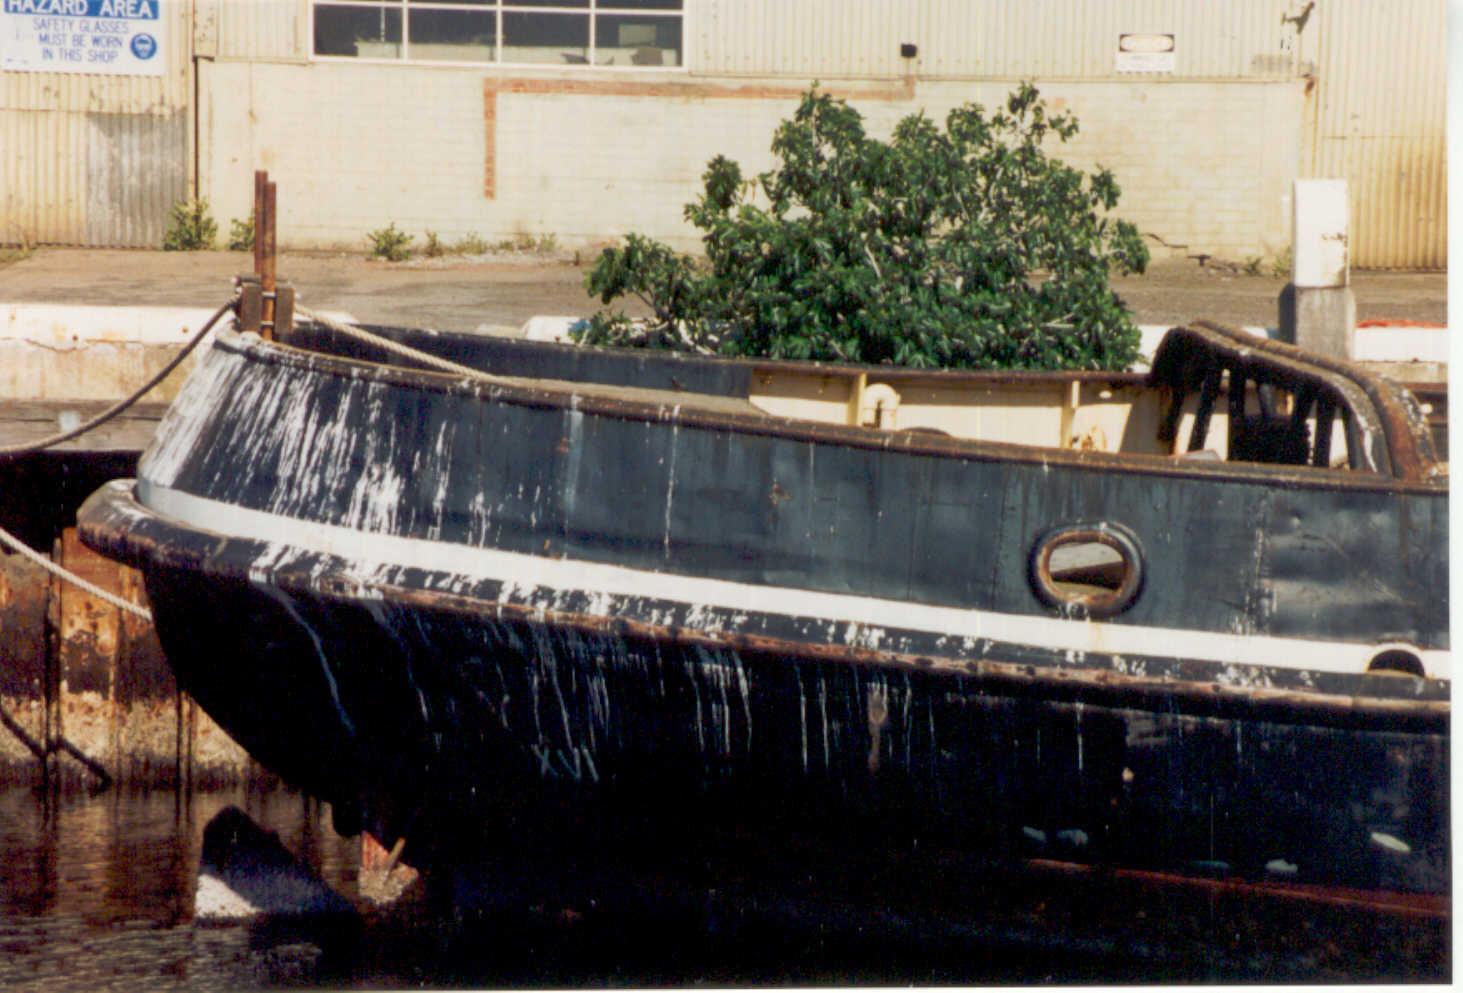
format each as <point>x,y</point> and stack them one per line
<point>96,892</point>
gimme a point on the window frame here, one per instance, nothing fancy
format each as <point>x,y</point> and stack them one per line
<point>592,11</point>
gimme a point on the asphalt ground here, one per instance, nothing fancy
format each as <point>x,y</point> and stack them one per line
<point>500,292</point>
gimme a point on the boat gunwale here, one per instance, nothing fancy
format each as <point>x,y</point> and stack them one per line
<point>848,370</point>
<point>113,513</point>
<point>517,390</point>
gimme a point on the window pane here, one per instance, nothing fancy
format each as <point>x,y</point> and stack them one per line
<point>453,35</point>
<point>640,4</point>
<point>366,32</point>
<point>553,39</point>
<point>628,40</point>
<point>546,3</point>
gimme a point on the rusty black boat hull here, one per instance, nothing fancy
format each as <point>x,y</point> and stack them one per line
<point>449,606</point>
<point>444,710</point>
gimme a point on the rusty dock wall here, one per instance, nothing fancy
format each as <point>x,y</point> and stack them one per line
<point>86,697</point>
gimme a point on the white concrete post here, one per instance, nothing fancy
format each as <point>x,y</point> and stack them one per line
<point>1317,309</point>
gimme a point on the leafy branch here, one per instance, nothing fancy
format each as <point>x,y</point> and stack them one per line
<point>966,246</point>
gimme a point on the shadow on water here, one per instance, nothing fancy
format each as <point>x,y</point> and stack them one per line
<point>96,892</point>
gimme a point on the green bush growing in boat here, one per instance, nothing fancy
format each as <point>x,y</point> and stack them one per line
<point>190,227</point>
<point>963,247</point>
<point>241,234</point>
<point>390,244</point>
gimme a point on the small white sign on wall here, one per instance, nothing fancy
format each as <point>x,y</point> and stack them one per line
<point>111,37</point>
<point>1145,53</point>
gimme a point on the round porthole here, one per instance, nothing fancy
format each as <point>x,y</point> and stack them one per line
<point>1088,570</point>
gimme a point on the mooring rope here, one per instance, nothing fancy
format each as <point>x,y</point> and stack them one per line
<point>6,538</point>
<point>360,334</point>
<point>406,351</point>
<point>11,451</point>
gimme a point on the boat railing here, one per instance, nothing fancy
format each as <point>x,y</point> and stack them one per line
<point>1300,397</point>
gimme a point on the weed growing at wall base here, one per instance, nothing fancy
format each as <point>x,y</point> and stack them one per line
<point>241,234</point>
<point>965,246</point>
<point>390,244</point>
<point>190,227</point>
<point>471,244</point>
<point>14,253</point>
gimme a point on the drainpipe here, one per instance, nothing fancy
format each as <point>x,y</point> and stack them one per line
<point>202,47</point>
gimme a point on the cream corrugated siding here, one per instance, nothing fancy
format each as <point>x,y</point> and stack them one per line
<point>1379,116</point>
<point>92,159</point>
<point>824,38</point>
<point>991,38</point>
<point>256,29</point>
<point>42,176</point>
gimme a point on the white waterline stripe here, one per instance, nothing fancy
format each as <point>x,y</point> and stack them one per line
<point>369,552</point>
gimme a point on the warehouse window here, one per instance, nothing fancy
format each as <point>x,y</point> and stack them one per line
<point>637,33</point>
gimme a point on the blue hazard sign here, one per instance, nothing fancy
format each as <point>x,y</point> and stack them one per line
<point>112,37</point>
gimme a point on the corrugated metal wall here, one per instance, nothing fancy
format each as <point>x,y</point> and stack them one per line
<point>1052,39</point>
<point>1056,39</point>
<point>1377,118</point>
<point>99,160</point>
<point>1375,113</point>
<point>96,160</point>
<point>253,29</point>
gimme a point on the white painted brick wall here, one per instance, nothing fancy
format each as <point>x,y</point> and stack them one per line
<point>1207,166</point>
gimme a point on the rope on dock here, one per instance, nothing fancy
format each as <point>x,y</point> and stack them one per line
<point>9,540</point>
<point>25,551</point>
<point>406,351</point>
<point>12,451</point>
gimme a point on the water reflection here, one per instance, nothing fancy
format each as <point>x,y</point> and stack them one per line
<point>96,892</point>
<point>123,856</point>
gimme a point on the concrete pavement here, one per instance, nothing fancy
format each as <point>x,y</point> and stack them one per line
<point>501,292</point>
